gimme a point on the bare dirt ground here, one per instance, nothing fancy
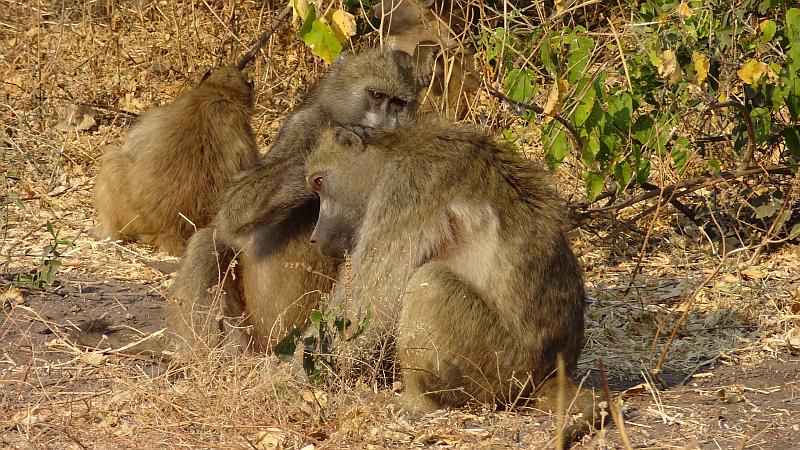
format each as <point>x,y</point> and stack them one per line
<point>724,333</point>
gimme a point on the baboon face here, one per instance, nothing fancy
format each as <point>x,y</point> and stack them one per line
<point>374,89</point>
<point>342,172</point>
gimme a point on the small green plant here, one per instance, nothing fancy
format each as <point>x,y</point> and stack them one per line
<point>329,325</point>
<point>636,98</point>
<point>45,274</point>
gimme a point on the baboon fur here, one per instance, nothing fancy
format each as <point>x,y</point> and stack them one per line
<point>177,160</point>
<point>268,212</point>
<point>459,251</point>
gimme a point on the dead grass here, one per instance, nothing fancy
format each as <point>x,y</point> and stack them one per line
<point>124,56</point>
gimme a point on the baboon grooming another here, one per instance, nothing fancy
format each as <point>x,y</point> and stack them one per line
<point>268,213</point>
<point>167,177</point>
<point>458,250</point>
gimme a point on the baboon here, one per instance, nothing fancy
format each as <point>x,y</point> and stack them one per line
<point>435,33</point>
<point>267,214</point>
<point>166,179</point>
<point>457,247</point>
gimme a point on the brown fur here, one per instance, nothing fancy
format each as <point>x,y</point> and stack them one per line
<point>268,212</point>
<point>177,160</point>
<point>460,254</point>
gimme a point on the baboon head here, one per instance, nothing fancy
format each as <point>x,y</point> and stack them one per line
<point>373,89</point>
<point>342,171</point>
<point>230,82</point>
<point>401,16</point>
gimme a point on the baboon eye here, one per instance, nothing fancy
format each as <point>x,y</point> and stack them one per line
<point>377,94</point>
<point>316,182</point>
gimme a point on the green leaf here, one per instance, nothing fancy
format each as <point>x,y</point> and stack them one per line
<point>622,173</point>
<point>557,149</point>
<point>679,158</point>
<point>609,149</point>
<point>768,29</point>
<point>286,347</point>
<point>793,61</point>
<point>793,97</point>
<point>791,136</point>
<point>590,150</point>
<point>594,184</point>
<point>319,37</point>
<point>315,317</point>
<point>679,155</point>
<point>621,108</point>
<point>792,30</point>
<point>643,171</point>
<point>714,165</point>
<point>761,123</point>
<point>578,57</point>
<point>518,85</point>
<point>584,108</point>
<point>643,129</point>
<point>549,58</point>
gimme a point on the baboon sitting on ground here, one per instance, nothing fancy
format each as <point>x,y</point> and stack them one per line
<point>166,179</point>
<point>457,246</point>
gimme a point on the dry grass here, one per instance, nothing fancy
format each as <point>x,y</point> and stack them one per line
<point>124,56</point>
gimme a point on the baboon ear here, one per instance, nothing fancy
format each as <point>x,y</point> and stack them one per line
<point>348,138</point>
<point>403,60</point>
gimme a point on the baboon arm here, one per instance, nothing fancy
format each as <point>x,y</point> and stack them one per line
<point>264,195</point>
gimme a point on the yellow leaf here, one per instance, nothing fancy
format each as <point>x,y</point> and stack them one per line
<point>299,9</point>
<point>555,99</point>
<point>559,6</point>
<point>701,66</point>
<point>343,25</point>
<point>684,11</point>
<point>668,67</point>
<point>752,72</point>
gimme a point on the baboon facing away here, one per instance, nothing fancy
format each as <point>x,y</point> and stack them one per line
<point>166,179</point>
<point>458,249</point>
<point>267,214</point>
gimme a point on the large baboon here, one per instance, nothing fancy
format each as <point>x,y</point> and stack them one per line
<point>267,214</point>
<point>166,179</point>
<point>457,248</point>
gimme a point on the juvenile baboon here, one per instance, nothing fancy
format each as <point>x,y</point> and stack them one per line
<point>267,214</point>
<point>436,33</point>
<point>167,177</point>
<point>457,248</point>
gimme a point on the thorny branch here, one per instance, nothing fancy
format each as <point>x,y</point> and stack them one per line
<point>684,187</point>
<point>539,110</point>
